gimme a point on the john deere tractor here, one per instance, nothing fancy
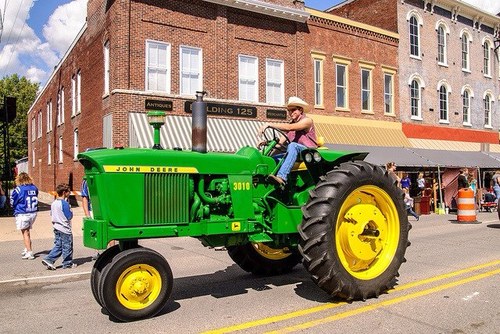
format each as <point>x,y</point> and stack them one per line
<point>343,218</point>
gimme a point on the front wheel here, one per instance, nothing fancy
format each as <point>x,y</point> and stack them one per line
<point>354,231</point>
<point>136,284</point>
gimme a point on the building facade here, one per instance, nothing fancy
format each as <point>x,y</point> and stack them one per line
<point>448,69</point>
<point>249,55</point>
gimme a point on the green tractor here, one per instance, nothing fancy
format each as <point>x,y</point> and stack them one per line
<point>343,218</point>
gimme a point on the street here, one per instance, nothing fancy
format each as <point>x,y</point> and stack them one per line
<point>450,284</point>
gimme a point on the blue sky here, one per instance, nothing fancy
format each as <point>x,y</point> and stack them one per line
<point>37,33</point>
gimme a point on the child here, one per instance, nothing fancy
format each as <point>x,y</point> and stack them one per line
<point>61,214</point>
<point>24,201</point>
<point>409,204</point>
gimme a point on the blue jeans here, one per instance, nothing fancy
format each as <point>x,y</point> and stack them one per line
<point>292,151</point>
<point>496,189</point>
<point>63,245</point>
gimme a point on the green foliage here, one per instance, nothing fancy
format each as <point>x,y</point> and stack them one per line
<point>25,92</point>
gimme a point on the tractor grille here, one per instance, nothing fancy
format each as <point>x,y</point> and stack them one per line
<point>166,198</point>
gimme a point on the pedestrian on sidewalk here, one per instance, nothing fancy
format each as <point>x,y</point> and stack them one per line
<point>409,204</point>
<point>61,214</point>
<point>24,202</point>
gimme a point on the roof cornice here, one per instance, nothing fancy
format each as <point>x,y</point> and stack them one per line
<point>265,8</point>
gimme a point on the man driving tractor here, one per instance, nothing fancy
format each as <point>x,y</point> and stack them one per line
<point>300,134</point>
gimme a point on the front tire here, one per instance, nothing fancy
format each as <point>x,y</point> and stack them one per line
<point>102,260</point>
<point>354,231</point>
<point>136,284</point>
<point>263,260</point>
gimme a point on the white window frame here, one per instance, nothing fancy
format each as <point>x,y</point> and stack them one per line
<point>73,95</point>
<point>466,104</point>
<point>49,116</point>
<point>413,14</point>
<point>466,40</point>
<point>152,50</point>
<point>60,106</point>
<point>444,99</point>
<point>60,149</point>
<point>33,157</point>
<point>442,37</point>
<point>415,77</point>
<point>33,129</point>
<point>78,91</point>
<point>275,82</point>
<point>366,90</point>
<point>487,58</point>
<point>193,73</point>
<point>49,153</point>
<point>75,144</point>
<point>345,63</point>
<point>106,67</point>
<point>248,78</point>
<point>488,108</point>
<point>389,95</point>
<point>318,63</point>
<point>39,124</point>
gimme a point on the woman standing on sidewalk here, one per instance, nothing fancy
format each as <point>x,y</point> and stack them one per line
<point>24,201</point>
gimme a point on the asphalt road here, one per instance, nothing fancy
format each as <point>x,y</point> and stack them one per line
<point>450,284</point>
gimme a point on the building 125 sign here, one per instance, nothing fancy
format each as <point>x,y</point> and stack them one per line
<point>225,109</point>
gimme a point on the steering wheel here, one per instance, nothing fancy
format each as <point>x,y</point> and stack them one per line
<point>273,140</point>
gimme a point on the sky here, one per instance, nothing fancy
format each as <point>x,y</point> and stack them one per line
<point>35,34</point>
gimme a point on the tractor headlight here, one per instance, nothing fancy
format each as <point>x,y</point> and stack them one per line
<point>308,157</point>
<point>317,156</point>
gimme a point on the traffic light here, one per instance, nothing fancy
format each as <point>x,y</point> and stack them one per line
<point>8,111</point>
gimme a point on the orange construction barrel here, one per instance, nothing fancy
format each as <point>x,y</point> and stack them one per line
<point>466,205</point>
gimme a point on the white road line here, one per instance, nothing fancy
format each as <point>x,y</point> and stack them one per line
<point>44,277</point>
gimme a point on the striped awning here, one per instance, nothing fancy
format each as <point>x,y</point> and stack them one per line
<point>223,135</point>
<point>445,145</point>
<point>355,131</point>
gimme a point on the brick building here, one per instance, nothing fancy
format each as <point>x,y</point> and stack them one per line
<point>249,55</point>
<point>448,70</point>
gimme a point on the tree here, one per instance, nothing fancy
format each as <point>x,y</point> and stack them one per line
<point>25,92</point>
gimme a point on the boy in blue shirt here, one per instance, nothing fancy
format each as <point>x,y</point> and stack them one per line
<point>24,201</point>
<point>61,214</point>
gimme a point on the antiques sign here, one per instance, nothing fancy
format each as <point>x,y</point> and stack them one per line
<point>276,113</point>
<point>225,109</point>
<point>158,105</point>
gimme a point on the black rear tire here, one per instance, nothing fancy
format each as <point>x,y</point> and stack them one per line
<point>263,260</point>
<point>99,264</point>
<point>354,231</point>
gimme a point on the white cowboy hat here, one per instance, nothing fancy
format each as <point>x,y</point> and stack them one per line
<point>294,101</point>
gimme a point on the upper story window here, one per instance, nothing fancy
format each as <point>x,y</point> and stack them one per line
<point>106,68</point>
<point>415,102</point>
<point>79,91</point>
<point>486,58</point>
<point>75,144</point>
<point>466,40</point>
<point>49,153</point>
<point>366,90</point>
<point>444,105</point>
<point>414,22</point>
<point>275,82</point>
<point>442,31</point>
<point>342,83</point>
<point>389,92</point>
<point>49,116</point>
<point>191,70</point>
<point>73,95</point>
<point>318,60</point>
<point>466,96</point>
<point>33,129</point>
<point>488,100</point>
<point>60,106</point>
<point>158,69</point>
<point>60,149</point>
<point>39,121</point>
<point>248,78</point>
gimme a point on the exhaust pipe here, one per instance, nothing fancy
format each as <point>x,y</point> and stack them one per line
<point>199,124</point>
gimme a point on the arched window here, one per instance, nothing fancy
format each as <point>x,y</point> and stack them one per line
<point>466,106</point>
<point>441,36</point>
<point>443,103</point>
<point>415,102</point>
<point>487,109</point>
<point>486,59</point>
<point>414,37</point>
<point>465,53</point>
